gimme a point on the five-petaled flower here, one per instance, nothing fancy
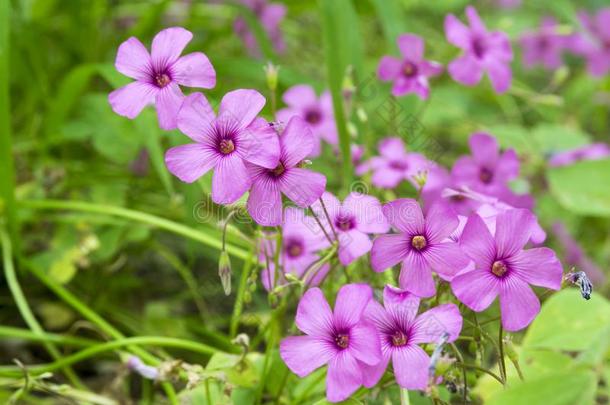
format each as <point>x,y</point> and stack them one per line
<point>159,75</point>
<point>409,74</point>
<point>483,51</point>
<point>342,339</point>
<point>224,142</point>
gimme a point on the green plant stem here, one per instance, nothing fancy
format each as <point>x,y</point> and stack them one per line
<point>101,323</point>
<point>501,362</point>
<point>26,334</point>
<point>239,300</point>
<point>404,397</point>
<point>137,216</point>
<point>12,371</point>
<point>24,308</point>
<point>464,376</point>
<point>481,369</point>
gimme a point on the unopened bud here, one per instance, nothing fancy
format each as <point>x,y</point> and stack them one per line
<point>224,271</point>
<point>421,178</point>
<point>136,365</point>
<point>271,72</point>
<point>560,75</point>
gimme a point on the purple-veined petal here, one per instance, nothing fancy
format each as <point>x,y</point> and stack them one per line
<point>265,201</point>
<point>477,288</point>
<point>351,302</point>
<point>194,70</point>
<point>133,60</point>
<point>466,69</point>
<point>389,68</point>
<point>352,245</point>
<point>300,95</point>
<point>368,213</point>
<point>343,378</point>
<point>304,354</point>
<point>388,250</point>
<point>477,242</point>
<point>230,181</point>
<point>518,304</point>
<point>378,316</point>
<point>432,324</point>
<point>394,296</point>
<point>538,266</point>
<point>332,205</point>
<point>296,142</point>
<point>411,47</point>
<point>441,221</point>
<point>196,118</point>
<point>302,186</point>
<point>259,144</point>
<point>456,32</point>
<point>168,103</point>
<point>131,99</point>
<point>411,364</point>
<point>241,107</point>
<point>513,230</point>
<point>406,215</point>
<point>167,46</point>
<point>314,316</point>
<point>372,374</point>
<point>446,258</point>
<point>190,162</point>
<point>416,276</point>
<point>364,343</point>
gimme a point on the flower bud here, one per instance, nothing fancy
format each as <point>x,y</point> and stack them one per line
<point>224,271</point>
<point>271,72</point>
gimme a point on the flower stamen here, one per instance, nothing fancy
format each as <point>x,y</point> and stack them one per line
<point>342,341</point>
<point>499,269</point>
<point>226,146</point>
<point>419,242</point>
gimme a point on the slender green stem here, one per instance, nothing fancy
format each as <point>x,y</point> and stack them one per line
<point>26,334</point>
<point>501,363</point>
<point>321,226</point>
<point>24,308</point>
<point>137,216</point>
<point>12,371</point>
<point>404,397</point>
<point>464,376</point>
<point>330,222</point>
<point>481,369</point>
<point>7,169</point>
<point>239,300</point>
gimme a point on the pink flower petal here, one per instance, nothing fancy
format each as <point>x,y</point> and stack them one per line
<point>538,266</point>
<point>314,316</point>
<point>333,207</point>
<point>396,297</point>
<point>131,99</point>
<point>190,162</point>
<point>265,202</point>
<point>259,144</point>
<point>392,148</point>
<point>230,181</point>
<point>477,289</point>
<point>387,178</point>
<point>344,377</point>
<point>500,75</point>
<point>296,142</point>
<point>477,242</point>
<point>388,250</point>
<point>389,68</point>
<point>302,186</point>
<point>518,304</point>
<point>304,354</point>
<point>484,148</point>
<point>241,107</point>
<point>466,69</point>
<point>456,32</point>
<point>195,118</point>
<point>376,314</point>
<point>168,103</point>
<point>194,70</point>
<point>364,343</point>
<point>167,46</point>
<point>432,324</point>
<point>351,302</point>
<point>372,374</point>
<point>411,364</point>
<point>352,245</point>
<point>133,60</point>
<point>368,213</point>
<point>416,276</point>
<point>441,221</point>
<point>513,230</point>
<point>475,21</point>
<point>508,166</point>
<point>411,47</point>
<point>300,95</point>
<point>446,258</point>
<point>406,215</point>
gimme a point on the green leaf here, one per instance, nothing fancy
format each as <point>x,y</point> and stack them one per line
<point>515,137</point>
<point>392,18</point>
<point>568,322</point>
<point>583,187</point>
<point>552,138</point>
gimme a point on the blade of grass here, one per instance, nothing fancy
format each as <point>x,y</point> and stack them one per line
<point>7,170</point>
<point>392,19</point>
<point>26,334</point>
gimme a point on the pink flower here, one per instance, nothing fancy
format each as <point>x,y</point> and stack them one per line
<point>318,113</point>
<point>544,46</point>
<point>483,51</point>
<point>302,186</point>
<point>410,75</point>
<point>224,143</point>
<point>595,151</point>
<point>401,331</point>
<point>159,74</point>
<point>502,268</point>
<point>270,15</point>
<point>341,339</point>
<point>594,45</point>
<point>302,239</point>
<point>423,245</point>
<point>352,221</point>
<point>395,165</point>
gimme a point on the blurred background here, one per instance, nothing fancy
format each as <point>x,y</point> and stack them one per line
<point>102,234</point>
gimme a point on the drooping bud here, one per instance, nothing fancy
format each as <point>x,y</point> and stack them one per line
<point>224,271</point>
<point>136,365</point>
<point>271,73</point>
<point>436,355</point>
<point>580,279</point>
